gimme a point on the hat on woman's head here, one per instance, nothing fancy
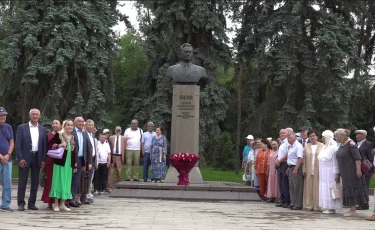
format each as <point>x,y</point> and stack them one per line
<point>327,133</point>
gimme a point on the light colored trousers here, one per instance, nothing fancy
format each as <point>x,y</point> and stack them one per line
<point>132,155</point>
<point>117,164</point>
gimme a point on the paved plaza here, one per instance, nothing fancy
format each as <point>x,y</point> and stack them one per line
<point>115,213</point>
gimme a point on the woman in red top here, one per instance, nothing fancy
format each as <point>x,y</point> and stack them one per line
<point>261,166</point>
<point>48,169</point>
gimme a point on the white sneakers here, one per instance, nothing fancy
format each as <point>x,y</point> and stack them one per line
<point>329,211</point>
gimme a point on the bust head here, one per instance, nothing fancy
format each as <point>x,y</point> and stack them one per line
<point>186,52</point>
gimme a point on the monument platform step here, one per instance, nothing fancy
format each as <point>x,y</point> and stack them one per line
<point>208,191</point>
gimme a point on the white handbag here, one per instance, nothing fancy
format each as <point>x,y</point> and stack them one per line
<point>247,175</point>
<point>336,191</point>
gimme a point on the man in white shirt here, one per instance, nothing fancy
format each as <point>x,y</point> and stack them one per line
<point>118,145</point>
<point>104,162</point>
<point>31,150</point>
<point>282,167</point>
<point>133,149</point>
<point>294,161</point>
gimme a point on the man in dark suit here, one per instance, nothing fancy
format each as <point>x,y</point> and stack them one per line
<point>365,147</point>
<point>303,132</point>
<point>185,72</point>
<point>31,150</point>
<point>84,158</point>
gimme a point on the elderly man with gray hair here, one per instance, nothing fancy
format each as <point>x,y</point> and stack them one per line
<point>365,147</point>
<point>146,149</point>
<point>294,161</point>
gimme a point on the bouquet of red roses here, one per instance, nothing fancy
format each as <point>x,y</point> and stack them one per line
<point>183,163</point>
<point>184,157</point>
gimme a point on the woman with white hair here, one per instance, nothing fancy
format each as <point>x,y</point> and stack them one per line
<point>327,171</point>
<point>349,164</point>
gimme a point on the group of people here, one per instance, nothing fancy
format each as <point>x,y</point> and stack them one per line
<point>87,164</point>
<point>297,171</point>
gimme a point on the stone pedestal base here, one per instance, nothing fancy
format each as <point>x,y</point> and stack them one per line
<point>185,128</point>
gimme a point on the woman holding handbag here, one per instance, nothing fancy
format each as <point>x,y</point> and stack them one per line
<point>353,180</point>
<point>64,167</point>
<point>48,169</point>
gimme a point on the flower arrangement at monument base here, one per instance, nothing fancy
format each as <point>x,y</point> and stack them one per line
<point>183,163</point>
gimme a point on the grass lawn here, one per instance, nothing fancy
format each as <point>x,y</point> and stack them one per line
<point>208,174</point>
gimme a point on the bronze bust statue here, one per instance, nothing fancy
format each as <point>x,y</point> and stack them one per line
<point>184,72</point>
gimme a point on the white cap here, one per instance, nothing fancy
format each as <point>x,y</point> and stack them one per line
<point>361,131</point>
<point>106,131</point>
<point>250,137</point>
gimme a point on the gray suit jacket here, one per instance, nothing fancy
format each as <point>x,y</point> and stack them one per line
<point>193,74</point>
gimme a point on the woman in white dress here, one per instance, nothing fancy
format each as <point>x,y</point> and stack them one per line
<point>327,171</point>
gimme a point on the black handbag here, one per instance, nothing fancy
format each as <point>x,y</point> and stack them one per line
<point>42,179</point>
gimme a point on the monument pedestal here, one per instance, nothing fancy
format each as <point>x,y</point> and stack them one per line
<point>185,128</point>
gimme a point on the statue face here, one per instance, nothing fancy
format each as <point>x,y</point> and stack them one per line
<point>186,53</point>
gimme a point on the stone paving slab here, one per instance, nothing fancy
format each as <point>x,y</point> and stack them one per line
<point>111,213</point>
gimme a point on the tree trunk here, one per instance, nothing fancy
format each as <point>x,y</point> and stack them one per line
<point>238,134</point>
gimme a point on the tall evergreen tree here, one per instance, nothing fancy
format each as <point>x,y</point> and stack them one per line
<point>58,57</point>
<point>303,52</point>
<point>166,25</point>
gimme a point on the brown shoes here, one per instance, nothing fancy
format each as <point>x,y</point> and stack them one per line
<point>370,218</point>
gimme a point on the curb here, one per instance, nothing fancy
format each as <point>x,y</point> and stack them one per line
<point>371,190</point>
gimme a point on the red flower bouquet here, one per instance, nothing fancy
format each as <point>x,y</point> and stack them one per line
<point>183,163</point>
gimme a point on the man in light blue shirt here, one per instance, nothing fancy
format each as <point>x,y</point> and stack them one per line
<point>80,141</point>
<point>246,150</point>
<point>294,161</point>
<point>147,148</point>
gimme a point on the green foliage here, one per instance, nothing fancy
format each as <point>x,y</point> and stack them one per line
<point>128,73</point>
<point>224,152</point>
<point>298,57</point>
<point>57,58</point>
<point>201,24</point>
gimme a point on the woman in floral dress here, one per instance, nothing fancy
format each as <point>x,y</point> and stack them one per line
<point>158,155</point>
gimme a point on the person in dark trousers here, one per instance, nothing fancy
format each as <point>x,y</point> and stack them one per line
<point>31,150</point>
<point>365,147</point>
<point>104,160</point>
<point>84,164</point>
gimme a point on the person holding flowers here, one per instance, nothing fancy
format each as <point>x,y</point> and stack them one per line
<point>158,155</point>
